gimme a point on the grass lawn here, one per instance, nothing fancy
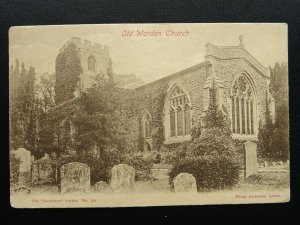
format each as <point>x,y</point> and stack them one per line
<point>263,187</point>
<point>269,181</point>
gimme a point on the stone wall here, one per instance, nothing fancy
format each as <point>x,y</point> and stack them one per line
<point>191,80</point>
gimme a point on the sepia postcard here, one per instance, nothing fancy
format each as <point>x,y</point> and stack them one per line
<point>126,115</point>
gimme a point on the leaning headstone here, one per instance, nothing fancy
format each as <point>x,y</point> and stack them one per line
<point>75,177</point>
<point>185,182</point>
<point>102,187</point>
<point>25,165</point>
<point>122,178</point>
<point>281,163</point>
<point>251,159</point>
<point>265,164</point>
<point>21,190</point>
<point>43,172</point>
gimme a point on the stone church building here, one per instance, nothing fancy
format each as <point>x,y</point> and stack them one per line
<point>242,85</point>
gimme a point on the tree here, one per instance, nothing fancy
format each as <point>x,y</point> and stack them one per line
<point>266,135</point>
<point>32,132</point>
<point>103,124</point>
<point>279,90</point>
<point>273,140</point>
<point>45,101</point>
<point>22,108</point>
<point>102,128</point>
<point>45,92</point>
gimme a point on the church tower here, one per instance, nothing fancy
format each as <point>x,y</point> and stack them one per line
<point>94,59</point>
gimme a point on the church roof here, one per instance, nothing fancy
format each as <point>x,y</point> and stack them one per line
<point>234,52</point>
<point>222,53</point>
<point>174,75</point>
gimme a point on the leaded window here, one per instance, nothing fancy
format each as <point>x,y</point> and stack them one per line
<point>242,105</point>
<point>179,119</point>
<point>146,125</point>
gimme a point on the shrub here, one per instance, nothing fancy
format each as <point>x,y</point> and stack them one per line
<point>154,156</point>
<point>212,160</point>
<point>141,164</point>
<point>14,163</point>
<point>210,171</point>
<point>173,153</point>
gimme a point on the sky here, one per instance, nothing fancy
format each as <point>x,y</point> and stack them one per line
<point>148,57</point>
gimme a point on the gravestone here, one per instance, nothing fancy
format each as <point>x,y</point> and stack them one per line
<point>265,164</point>
<point>75,177</point>
<point>251,159</point>
<point>25,165</point>
<point>122,178</point>
<point>185,182</point>
<point>102,187</point>
<point>43,172</point>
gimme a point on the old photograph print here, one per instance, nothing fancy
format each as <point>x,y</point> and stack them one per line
<point>126,115</point>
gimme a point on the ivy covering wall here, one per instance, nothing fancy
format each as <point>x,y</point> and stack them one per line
<point>68,69</point>
<point>158,101</point>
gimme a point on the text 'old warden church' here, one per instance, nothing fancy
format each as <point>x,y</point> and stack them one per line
<point>242,92</point>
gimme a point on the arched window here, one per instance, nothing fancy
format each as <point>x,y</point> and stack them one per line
<point>242,107</point>
<point>92,63</point>
<point>146,124</point>
<point>178,117</point>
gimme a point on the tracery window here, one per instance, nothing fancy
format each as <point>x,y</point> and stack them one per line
<point>146,125</point>
<point>242,106</point>
<point>179,114</point>
<point>92,63</point>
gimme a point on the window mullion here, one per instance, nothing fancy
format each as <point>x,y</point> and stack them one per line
<point>240,116</point>
<point>176,122</point>
<point>246,114</point>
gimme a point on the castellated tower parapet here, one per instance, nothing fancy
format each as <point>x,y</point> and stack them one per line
<point>88,45</point>
<point>94,59</point>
